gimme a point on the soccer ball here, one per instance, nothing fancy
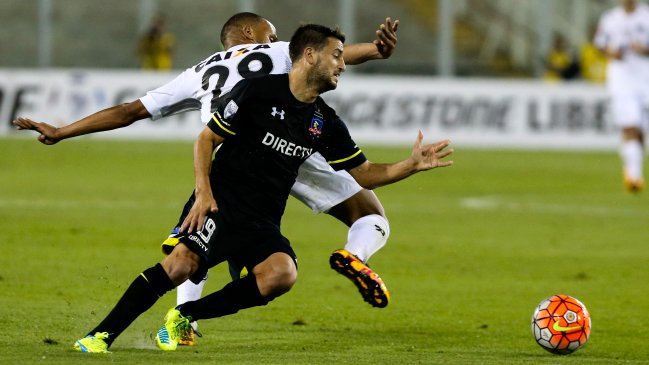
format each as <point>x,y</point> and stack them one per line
<point>561,324</point>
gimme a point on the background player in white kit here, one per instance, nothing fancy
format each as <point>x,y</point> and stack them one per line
<point>623,35</point>
<point>252,50</point>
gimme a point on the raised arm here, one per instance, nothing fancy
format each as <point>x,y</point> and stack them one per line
<point>204,199</point>
<point>117,116</point>
<point>381,48</point>
<point>372,175</point>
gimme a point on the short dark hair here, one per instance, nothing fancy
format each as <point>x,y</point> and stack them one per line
<point>311,35</point>
<point>236,21</point>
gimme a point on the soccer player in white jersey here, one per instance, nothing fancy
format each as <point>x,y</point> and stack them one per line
<point>623,35</point>
<point>252,50</point>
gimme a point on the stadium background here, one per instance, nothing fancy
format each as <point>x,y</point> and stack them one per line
<point>473,248</point>
<point>468,70</point>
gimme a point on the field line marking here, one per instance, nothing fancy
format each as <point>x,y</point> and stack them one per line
<point>490,203</point>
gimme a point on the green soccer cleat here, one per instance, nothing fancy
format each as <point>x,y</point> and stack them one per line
<point>93,343</point>
<point>174,330</point>
<point>368,282</point>
<point>189,337</point>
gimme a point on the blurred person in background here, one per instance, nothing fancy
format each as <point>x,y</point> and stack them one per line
<point>155,47</point>
<point>592,62</point>
<point>560,62</point>
<point>623,36</point>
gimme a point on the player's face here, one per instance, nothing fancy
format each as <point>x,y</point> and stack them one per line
<point>329,65</point>
<point>629,3</point>
<point>265,32</point>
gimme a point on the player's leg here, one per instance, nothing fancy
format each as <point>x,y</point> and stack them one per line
<point>632,153</point>
<point>368,232</point>
<point>270,278</point>
<point>187,291</point>
<point>204,245</point>
<point>143,292</point>
<point>273,273</point>
<point>338,194</point>
<point>368,228</point>
<point>628,113</point>
<point>181,264</point>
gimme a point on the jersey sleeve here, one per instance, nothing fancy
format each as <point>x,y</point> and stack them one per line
<point>338,147</point>
<point>601,35</point>
<point>173,97</point>
<point>223,120</point>
<point>286,66</point>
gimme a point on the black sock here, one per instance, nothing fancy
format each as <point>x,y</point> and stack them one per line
<point>237,295</point>
<point>144,291</point>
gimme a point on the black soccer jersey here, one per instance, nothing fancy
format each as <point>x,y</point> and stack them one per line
<point>268,136</point>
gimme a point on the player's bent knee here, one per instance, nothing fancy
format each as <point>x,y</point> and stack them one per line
<point>181,264</point>
<point>276,275</point>
<point>360,205</point>
<point>281,283</point>
<point>278,282</point>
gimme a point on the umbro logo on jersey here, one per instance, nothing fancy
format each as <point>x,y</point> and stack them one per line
<point>275,113</point>
<point>380,230</point>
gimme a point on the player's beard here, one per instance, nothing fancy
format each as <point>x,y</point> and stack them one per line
<point>320,79</point>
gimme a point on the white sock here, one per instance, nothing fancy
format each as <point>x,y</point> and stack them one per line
<point>632,158</point>
<point>367,235</point>
<point>188,292</point>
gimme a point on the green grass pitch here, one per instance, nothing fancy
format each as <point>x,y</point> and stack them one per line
<point>473,249</point>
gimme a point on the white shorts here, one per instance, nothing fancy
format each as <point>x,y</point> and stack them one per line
<point>629,101</point>
<point>629,109</point>
<point>320,187</point>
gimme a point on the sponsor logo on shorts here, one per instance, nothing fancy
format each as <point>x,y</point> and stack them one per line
<point>198,241</point>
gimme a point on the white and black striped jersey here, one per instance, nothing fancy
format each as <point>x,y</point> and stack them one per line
<point>199,87</point>
<point>268,135</point>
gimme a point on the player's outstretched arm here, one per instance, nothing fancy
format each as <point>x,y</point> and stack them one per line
<point>114,117</point>
<point>424,157</point>
<point>381,48</point>
<point>204,202</point>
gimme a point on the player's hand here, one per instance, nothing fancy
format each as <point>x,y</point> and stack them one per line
<point>386,37</point>
<point>639,48</point>
<point>430,156</point>
<point>48,133</point>
<point>203,205</point>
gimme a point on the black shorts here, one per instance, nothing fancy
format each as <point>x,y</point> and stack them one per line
<point>243,245</point>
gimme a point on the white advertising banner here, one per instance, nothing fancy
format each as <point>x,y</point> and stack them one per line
<point>62,97</point>
<point>489,113</point>
<point>377,109</point>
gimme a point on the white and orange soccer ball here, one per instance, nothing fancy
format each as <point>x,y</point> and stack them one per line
<point>561,324</point>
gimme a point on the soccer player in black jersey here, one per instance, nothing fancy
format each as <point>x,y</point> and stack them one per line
<point>266,127</point>
<point>249,38</point>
